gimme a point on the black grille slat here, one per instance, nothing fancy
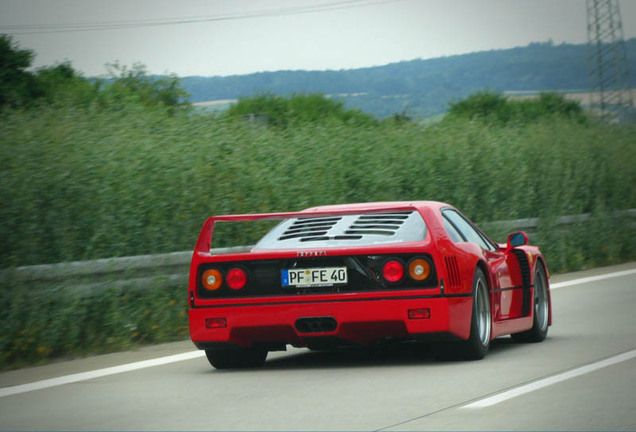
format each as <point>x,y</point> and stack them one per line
<point>369,232</point>
<point>386,216</point>
<point>314,220</point>
<point>295,230</point>
<point>302,236</point>
<point>310,225</point>
<point>347,237</point>
<point>383,222</point>
<point>393,228</point>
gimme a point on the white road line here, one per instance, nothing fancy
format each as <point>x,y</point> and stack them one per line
<point>592,279</point>
<point>536,385</point>
<point>68,379</point>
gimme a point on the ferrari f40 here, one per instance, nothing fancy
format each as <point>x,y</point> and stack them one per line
<point>360,274</point>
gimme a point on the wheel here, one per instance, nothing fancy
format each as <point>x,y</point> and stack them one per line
<point>234,358</point>
<point>539,329</point>
<point>476,347</point>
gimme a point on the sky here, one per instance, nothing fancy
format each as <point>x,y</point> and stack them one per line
<point>235,37</point>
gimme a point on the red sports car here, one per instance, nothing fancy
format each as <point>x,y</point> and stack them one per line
<point>359,274</point>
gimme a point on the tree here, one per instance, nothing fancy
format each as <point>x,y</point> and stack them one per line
<point>284,111</point>
<point>483,104</point>
<point>16,83</point>
<point>134,85</point>
<point>495,107</point>
<point>61,83</point>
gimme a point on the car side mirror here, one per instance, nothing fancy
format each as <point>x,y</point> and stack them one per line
<point>518,238</point>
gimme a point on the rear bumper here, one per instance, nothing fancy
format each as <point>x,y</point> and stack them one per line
<point>360,321</point>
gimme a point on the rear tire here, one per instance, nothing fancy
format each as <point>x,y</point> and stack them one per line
<point>235,358</point>
<point>476,347</point>
<point>539,330</point>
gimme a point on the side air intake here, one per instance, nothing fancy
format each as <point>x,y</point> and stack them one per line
<point>452,270</point>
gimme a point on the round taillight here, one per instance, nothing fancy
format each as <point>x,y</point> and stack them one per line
<point>236,278</point>
<point>419,269</point>
<point>393,271</point>
<point>212,279</point>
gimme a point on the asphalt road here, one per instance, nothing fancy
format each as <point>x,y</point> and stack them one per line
<point>582,377</point>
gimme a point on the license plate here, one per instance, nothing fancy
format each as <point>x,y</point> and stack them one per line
<point>314,277</point>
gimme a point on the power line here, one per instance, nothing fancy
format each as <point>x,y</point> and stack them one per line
<point>23,29</point>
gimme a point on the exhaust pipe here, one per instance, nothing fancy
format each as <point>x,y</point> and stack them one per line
<point>316,325</point>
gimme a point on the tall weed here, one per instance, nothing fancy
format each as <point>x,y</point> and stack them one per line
<point>80,184</point>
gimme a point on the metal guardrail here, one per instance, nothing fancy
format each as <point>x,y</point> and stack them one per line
<point>109,273</point>
<point>531,225</point>
<point>144,271</point>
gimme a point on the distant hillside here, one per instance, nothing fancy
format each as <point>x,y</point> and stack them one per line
<point>422,88</point>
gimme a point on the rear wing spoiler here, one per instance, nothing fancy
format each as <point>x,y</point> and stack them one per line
<point>204,241</point>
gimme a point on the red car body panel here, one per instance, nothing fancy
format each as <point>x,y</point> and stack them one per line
<point>367,316</point>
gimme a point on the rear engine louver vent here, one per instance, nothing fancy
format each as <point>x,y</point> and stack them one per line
<point>309,228</point>
<point>381,224</point>
<point>350,227</point>
<point>452,270</point>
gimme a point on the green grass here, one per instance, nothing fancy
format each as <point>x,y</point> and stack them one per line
<point>38,326</point>
<point>80,184</point>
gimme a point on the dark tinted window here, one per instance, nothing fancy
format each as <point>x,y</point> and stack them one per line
<point>466,229</point>
<point>452,232</point>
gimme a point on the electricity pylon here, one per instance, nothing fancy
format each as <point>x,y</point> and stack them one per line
<point>611,96</point>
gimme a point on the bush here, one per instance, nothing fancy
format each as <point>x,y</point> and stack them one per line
<point>299,109</point>
<point>497,108</point>
<point>62,85</point>
<point>134,86</point>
